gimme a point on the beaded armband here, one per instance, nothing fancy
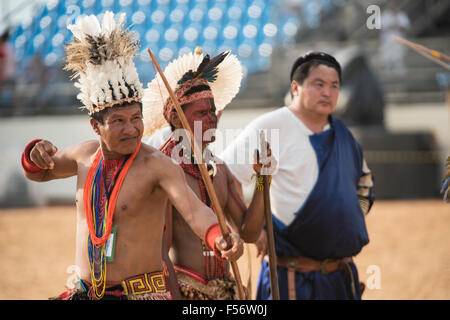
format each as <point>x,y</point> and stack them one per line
<point>259,183</point>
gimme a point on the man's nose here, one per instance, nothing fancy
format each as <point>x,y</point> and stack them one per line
<point>326,91</point>
<point>129,128</point>
<point>212,117</point>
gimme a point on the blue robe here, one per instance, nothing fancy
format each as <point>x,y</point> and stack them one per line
<point>329,225</point>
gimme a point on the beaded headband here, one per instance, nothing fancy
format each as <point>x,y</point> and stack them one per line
<point>222,74</point>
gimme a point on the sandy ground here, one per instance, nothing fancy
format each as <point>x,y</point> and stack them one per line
<point>408,256</point>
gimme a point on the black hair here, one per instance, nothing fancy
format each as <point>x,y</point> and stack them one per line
<point>99,115</point>
<point>5,35</point>
<point>302,66</point>
<point>199,88</point>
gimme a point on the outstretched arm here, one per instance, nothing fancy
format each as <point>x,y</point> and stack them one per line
<point>42,161</point>
<point>198,216</point>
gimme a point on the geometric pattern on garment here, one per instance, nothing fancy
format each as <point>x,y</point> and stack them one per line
<point>145,283</point>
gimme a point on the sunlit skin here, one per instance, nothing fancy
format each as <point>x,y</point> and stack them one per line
<point>202,111</point>
<point>316,98</point>
<point>151,181</point>
<point>120,131</point>
<point>186,249</point>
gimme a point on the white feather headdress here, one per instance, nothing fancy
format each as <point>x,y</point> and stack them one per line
<point>101,57</point>
<point>224,79</point>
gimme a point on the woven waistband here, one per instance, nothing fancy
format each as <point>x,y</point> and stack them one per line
<point>153,282</point>
<point>190,273</point>
<point>148,285</point>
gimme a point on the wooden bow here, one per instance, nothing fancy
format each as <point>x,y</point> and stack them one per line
<point>204,173</point>
<point>269,225</point>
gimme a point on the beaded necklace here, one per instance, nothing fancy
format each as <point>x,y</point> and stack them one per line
<point>192,169</point>
<point>99,205</point>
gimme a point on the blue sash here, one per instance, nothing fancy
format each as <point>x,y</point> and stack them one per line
<point>330,225</point>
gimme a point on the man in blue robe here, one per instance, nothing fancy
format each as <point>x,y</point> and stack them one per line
<point>321,191</point>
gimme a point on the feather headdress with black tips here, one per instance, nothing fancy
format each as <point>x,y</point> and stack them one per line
<point>101,58</point>
<point>192,77</point>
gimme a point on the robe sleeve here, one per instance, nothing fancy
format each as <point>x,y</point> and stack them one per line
<point>365,189</point>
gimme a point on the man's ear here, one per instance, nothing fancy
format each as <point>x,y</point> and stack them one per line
<point>294,88</point>
<point>175,120</point>
<point>95,125</point>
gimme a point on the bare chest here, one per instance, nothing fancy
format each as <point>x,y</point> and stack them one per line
<point>134,198</point>
<point>220,187</point>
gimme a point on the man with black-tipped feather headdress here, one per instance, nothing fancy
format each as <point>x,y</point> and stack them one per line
<point>122,185</point>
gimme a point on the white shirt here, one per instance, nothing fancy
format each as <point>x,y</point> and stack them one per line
<point>298,169</point>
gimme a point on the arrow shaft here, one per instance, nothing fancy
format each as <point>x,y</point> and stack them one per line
<point>204,173</point>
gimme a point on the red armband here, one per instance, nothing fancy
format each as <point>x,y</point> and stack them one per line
<point>211,234</point>
<point>27,164</point>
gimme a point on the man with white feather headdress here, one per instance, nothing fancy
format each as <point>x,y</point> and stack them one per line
<point>122,186</point>
<point>203,87</point>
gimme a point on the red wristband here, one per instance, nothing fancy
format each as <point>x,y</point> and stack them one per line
<point>211,234</point>
<point>27,164</point>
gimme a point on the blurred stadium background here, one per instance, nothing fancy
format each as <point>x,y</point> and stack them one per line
<point>401,119</point>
